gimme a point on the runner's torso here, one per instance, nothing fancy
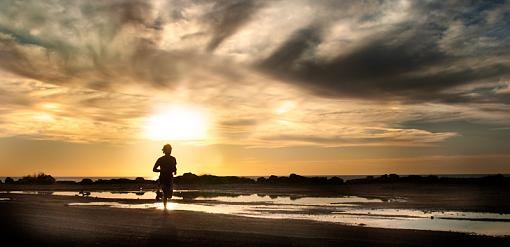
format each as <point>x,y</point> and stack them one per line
<point>167,166</point>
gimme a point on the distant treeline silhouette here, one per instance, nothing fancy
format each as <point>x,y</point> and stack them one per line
<point>431,179</point>
<point>294,179</point>
<point>40,178</point>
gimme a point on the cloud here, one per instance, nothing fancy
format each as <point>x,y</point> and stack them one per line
<point>272,73</point>
<point>226,17</point>
<point>43,111</point>
<point>417,59</point>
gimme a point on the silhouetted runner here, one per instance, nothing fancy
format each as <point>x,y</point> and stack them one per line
<point>166,166</point>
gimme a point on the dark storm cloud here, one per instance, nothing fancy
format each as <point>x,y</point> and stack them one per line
<point>227,17</point>
<point>15,59</point>
<point>405,62</point>
<point>438,46</point>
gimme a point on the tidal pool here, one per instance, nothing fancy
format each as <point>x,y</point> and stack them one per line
<point>350,210</point>
<point>343,210</point>
<point>468,222</point>
<point>204,196</point>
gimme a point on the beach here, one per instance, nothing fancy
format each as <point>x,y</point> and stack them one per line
<point>61,218</point>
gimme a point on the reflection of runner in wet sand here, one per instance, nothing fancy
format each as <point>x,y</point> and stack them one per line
<point>166,166</point>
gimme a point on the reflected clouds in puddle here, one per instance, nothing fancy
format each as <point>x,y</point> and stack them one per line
<point>350,210</point>
<point>342,210</point>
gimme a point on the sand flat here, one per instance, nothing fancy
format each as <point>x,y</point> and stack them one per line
<point>48,219</point>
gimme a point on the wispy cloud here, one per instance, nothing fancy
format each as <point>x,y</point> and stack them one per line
<point>271,73</point>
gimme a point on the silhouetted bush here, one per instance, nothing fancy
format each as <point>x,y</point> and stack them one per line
<point>86,181</point>
<point>335,180</point>
<point>40,178</point>
<point>140,179</point>
<point>186,178</point>
<point>298,179</point>
<point>9,180</point>
<point>190,178</point>
<point>432,179</point>
<point>495,179</point>
<point>45,179</point>
<point>272,179</point>
<point>115,181</point>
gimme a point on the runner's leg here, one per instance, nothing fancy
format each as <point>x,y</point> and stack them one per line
<point>166,193</point>
<point>171,191</point>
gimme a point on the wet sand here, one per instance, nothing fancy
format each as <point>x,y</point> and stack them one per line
<point>48,220</point>
<point>463,197</point>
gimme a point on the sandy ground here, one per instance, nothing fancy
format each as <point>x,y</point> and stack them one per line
<point>45,220</point>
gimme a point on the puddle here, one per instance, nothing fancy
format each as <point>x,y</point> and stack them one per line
<point>467,222</point>
<point>102,194</point>
<point>4,199</point>
<point>489,226</point>
<point>110,195</point>
<point>350,210</point>
<point>311,201</point>
<point>191,195</point>
<point>426,214</point>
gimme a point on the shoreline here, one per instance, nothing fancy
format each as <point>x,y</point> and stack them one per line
<point>466,197</point>
<point>48,219</point>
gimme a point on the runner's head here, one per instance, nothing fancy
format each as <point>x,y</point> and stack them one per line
<point>167,149</point>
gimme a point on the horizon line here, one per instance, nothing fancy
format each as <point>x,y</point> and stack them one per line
<point>308,175</point>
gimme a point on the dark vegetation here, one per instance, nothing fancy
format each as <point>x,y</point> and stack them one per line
<point>190,178</point>
<point>40,178</point>
<point>297,179</point>
<point>431,179</point>
<point>292,179</point>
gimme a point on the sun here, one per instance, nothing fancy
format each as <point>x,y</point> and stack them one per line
<point>177,122</point>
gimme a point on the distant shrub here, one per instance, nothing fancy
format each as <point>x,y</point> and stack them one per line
<point>40,178</point>
<point>86,181</point>
<point>186,178</point>
<point>190,178</point>
<point>433,179</point>
<point>300,180</point>
<point>335,180</point>
<point>115,181</point>
<point>9,180</point>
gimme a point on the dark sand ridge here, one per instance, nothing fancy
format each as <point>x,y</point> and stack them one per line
<point>46,220</point>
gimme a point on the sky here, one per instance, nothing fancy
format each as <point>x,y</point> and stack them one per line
<point>95,88</point>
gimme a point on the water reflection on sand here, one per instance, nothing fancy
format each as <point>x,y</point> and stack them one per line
<point>351,210</point>
<point>469,222</point>
<point>212,196</point>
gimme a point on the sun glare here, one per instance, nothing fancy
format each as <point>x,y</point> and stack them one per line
<point>177,123</point>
